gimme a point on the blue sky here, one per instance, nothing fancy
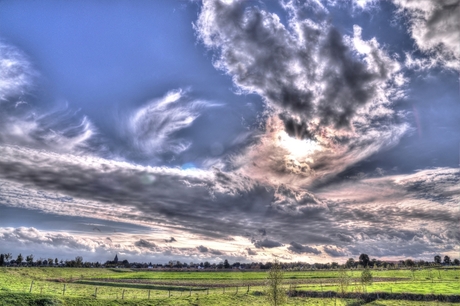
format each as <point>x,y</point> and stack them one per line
<point>307,130</point>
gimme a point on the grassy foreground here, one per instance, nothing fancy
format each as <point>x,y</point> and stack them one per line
<point>21,299</point>
<point>74,286</point>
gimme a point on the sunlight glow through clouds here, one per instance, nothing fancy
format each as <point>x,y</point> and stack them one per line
<point>322,166</point>
<point>298,148</point>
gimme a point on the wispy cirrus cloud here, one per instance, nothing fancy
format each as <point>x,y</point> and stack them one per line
<point>16,73</point>
<point>152,129</point>
<point>22,123</point>
<point>148,131</point>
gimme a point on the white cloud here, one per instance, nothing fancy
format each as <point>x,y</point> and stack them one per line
<point>16,73</point>
<point>329,96</point>
<point>151,128</point>
<point>435,27</point>
<point>21,123</point>
<point>30,235</point>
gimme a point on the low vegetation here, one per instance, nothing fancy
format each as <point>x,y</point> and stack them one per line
<point>26,281</point>
<point>97,286</point>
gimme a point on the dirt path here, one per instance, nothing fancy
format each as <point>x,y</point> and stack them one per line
<point>232,283</point>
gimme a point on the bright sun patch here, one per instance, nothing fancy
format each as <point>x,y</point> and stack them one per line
<point>297,147</point>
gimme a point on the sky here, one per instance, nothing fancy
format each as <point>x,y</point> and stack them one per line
<point>303,130</point>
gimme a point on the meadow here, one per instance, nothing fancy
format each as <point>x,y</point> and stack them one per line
<point>92,286</point>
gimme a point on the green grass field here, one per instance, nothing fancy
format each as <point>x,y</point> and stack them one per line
<point>74,286</point>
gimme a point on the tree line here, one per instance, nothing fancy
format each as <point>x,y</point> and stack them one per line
<point>6,259</point>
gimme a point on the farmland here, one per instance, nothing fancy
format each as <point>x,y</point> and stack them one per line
<point>91,286</point>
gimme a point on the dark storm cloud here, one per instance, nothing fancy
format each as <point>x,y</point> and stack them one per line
<point>266,243</point>
<point>336,90</point>
<point>307,69</point>
<point>344,238</point>
<point>334,252</point>
<point>296,127</point>
<point>298,248</point>
<point>142,243</point>
<point>171,240</point>
<point>251,252</point>
<point>203,249</point>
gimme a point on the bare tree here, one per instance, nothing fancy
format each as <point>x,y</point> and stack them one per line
<point>78,261</point>
<point>344,281</point>
<point>366,278</point>
<point>276,295</point>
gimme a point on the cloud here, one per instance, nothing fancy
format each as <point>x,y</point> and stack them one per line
<point>329,96</point>
<point>152,128</point>
<point>298,248</point>
<point>171,240</point>
<point>251,252</point>
<point>364,4</point>
<point>16,74</point>
<point>21,123</point>
<point>156,193</point>
<point>142,243</point>
<point>359,215</point>
<point>204,249</point>
<point>344,237</point>
<point>59,130</point>
<point>267,243</point>
<point>91,247</point>
<point>294,202</point>
<point>435,27</point>
<point>334,251</point>
<point>30,235</point>
<point>148,131</point>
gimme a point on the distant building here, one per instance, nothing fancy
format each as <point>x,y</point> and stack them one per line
<point>115,260</point>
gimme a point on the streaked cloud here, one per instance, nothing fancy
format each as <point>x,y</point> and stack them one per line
<point>412,210</point>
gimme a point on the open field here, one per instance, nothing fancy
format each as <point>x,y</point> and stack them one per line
<point>31,299</point>
<point>79,286</point>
